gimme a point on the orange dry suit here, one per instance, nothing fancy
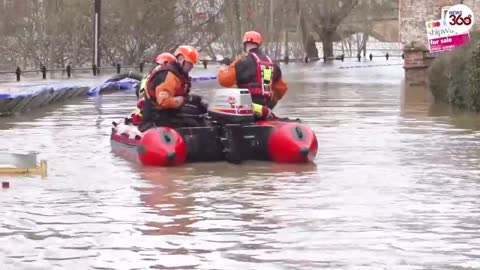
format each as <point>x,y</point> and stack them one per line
<point>256,72</point>
<point>163,84</point>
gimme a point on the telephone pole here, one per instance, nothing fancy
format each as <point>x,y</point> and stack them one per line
<point>96,37</point>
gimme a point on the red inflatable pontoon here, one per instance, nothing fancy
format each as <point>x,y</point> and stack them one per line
<point>229,133</point>
<point>290,142</point>
<point>161,146</point>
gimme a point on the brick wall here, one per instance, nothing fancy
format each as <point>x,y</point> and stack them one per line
<point>475,6</point>
<point>413,15</point>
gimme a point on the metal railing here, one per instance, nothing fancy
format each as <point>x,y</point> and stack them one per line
<point>68,70</point>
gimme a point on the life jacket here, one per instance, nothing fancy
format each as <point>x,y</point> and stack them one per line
<point>136,117</point>
<point>143,84</point>
<point>181,90</point>
<point>261,87</point>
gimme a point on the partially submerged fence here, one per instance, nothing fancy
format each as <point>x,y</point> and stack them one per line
<point>68,70</point>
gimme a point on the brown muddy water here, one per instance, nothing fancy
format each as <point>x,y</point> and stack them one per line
<point>396,185</point>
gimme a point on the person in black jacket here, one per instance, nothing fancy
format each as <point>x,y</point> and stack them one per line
<point>255,71</point>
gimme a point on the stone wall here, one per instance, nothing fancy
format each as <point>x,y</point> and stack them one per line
<point>413,33</point>
<point>414,14</point>
<point>475,6</point>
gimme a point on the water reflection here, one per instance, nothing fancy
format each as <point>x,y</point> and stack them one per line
<point>395,186</point>
<point>185,198</point>
<point>415,100</point>
<point>169,201</point>
<point>418,103</point>
<point>99,109</point>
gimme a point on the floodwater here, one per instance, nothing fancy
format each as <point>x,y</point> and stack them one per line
<point>33,82</point>
<point>396,186</point>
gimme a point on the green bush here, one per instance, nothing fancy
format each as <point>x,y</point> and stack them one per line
<point>439,77</point>
<point>455,76</point>
<point>473,79</point>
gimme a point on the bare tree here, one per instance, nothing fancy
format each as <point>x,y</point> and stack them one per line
<point>204,26</point>
<point>59,32</point>
<point>131,28</point>
<point>268,17</point>
<point>364,17</point>
<point>324,18</point>
<point>52,33</point>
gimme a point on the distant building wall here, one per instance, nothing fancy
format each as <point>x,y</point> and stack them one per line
<point>413,33</point>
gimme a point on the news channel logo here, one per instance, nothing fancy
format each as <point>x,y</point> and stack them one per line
<point>459,18</point>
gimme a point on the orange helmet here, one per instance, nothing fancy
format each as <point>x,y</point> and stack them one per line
<point>190,54</point>
<point>164,57</point>
<point>252,36</point>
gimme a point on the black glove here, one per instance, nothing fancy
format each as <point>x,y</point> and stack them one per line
<point>188,85</point>
<point>226,61</point>
<point>203,106</point>
<point>194,99</point>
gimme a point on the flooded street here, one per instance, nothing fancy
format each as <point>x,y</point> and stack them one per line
<point>396,185</point>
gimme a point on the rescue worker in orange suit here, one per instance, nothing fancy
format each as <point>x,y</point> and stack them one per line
<point>161,60</point>
<point>168,91</point>
<point>257,72</point>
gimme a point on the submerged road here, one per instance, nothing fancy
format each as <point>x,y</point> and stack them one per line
<point>32,83</point>
<point>395,186</point>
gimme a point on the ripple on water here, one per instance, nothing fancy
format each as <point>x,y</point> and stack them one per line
<point>388,191</point>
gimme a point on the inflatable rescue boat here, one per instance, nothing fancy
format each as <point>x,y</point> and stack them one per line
<point>229,133</point>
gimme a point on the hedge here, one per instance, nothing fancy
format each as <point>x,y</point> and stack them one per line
<point>455,76</point>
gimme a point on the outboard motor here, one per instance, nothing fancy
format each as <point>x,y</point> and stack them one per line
<point>231,106</point>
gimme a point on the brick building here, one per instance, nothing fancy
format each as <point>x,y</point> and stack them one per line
<point>413,33</point>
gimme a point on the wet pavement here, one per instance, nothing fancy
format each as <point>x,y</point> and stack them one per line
<point>395,186</point>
